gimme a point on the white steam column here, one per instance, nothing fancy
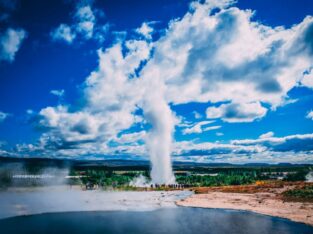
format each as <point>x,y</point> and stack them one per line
<point>159,139</point>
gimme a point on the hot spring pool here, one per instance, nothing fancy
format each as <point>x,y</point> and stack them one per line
<point>167,220</point>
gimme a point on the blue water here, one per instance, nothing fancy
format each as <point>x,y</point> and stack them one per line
<point>168,221</point>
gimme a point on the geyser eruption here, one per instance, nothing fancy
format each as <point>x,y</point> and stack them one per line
<point>159,139</point>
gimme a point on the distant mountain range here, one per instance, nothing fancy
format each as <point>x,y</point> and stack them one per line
<point>136,164</point>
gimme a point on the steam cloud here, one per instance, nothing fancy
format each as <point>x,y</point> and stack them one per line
<point>309,177</point>
<point>159,139</point>
<point>19,175</point>
<point>140,181</point>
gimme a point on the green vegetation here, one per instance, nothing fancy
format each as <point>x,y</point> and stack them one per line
<point>197,176</point>
<point>223,179</point>
<point>305,193</point>
<point>242,176</point>
<point>107,178</point>
<point>120,177</point>
<point>297,176</point>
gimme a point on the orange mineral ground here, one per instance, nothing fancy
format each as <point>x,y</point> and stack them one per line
<point>264,198</point>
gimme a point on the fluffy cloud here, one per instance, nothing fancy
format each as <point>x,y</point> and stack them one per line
<point>10,43</point>
<point>63,32</point>
<point>86,21</point>
<point>310,115</point>
<point>145,30</point>
<point>237,112</point>
<point>200,61</point>
<point>84,26</point>
<point>307,79</point>
<point>111,100</point>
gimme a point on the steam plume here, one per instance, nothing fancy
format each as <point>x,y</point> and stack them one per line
<point>159,139</point>
<point>309,177</point>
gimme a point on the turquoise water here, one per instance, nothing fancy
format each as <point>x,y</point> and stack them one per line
<point>169,221</point>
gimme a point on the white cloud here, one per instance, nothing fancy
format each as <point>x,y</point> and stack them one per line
<point>63,32</point>
<point>200,128</point>
<point>197,127</point>
<point>295,143</point>
<point>227,56</point>
<point>237,112</point>
<point>10,43</point>
<point>294,149</point>
<point>110,99</point>
<point>145,30</point>
<point>67,127</point>
<point>210,128</point>
<point>310,115</point>
<point>85,21</point>
<point>3,116</point>
<point>83,26</point>
<point>307,79</point>
<point>58,93</point>
<point>215,150</point>
<point>266,135</point>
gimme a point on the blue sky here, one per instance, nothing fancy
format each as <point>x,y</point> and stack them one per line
<point>208,81</point>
